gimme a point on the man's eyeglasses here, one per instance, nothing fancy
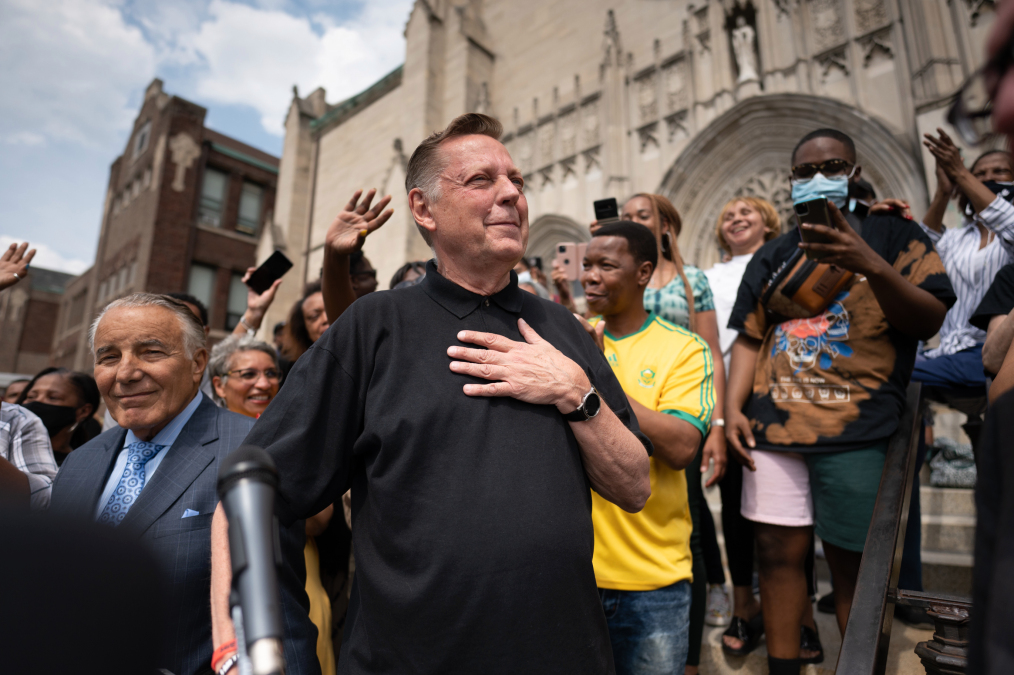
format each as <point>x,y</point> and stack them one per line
<point>830,168</point>
<point>973,104</point>
<point>252,374</point>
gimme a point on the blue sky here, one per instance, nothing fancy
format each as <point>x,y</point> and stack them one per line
<point>73,73</point>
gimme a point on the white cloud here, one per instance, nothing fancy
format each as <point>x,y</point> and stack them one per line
<point>254,56</point>
<point>47,258</point>
<point>70,69</point>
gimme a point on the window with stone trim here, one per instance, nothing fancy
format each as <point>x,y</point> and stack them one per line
<point>202,284</point>
<point>141,139</point>
<point>250,202</point>
<point>237,301</point>
<point>213,193</point>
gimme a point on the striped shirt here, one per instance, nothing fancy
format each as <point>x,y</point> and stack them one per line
<point>971,270</point>
<point>24,443</point>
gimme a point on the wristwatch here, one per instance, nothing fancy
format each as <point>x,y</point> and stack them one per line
<point>718,422</point>
<point>589,408</point>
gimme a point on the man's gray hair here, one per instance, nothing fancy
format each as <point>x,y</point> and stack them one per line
<point>190,325</point>
<point>426,163</point>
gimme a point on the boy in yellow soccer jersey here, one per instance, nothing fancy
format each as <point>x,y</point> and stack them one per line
<point>642,560</point>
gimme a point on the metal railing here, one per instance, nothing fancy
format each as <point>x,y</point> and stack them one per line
<point>868,631</point>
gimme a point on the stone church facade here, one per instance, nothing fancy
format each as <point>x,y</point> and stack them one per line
<point>700,100</point>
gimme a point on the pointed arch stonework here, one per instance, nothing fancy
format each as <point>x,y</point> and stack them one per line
<point>549,230</point>
<point>747,151</point>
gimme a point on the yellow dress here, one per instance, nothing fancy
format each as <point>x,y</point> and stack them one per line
<point>320,608</point>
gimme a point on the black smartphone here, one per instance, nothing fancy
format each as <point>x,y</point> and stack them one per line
<point>271,269</point>
<point>813,212</point>
<point>607,211</point>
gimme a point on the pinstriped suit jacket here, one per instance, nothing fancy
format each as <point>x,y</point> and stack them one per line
<point>186,479</point>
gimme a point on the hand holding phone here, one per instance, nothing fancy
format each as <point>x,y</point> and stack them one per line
<point>813,212</point>
<point>570,257</point>
<point>270,270</point>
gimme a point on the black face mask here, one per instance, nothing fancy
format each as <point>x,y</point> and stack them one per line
<point>1005,190</point>
<point>56,418</point>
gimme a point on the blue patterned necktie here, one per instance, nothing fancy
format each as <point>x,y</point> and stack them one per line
<point>131,482</point>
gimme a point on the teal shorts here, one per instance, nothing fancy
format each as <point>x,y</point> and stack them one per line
<point>844,488</point>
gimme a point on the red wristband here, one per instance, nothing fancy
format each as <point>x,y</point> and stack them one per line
<point>224,651</point>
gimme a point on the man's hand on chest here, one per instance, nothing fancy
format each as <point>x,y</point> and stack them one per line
<point>532,371</point>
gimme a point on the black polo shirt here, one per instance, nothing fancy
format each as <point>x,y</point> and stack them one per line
<point>471,517</point>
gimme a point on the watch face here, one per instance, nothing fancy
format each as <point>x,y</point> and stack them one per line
<point>592,404</point>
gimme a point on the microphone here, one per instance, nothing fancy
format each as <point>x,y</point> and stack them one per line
<point>247,480</point>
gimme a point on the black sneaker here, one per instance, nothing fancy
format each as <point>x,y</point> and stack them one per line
<point>826,604</point>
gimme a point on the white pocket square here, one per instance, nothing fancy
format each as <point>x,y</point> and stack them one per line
<point>190,512</point>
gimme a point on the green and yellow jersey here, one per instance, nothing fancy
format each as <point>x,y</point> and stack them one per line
<point>668,369</point>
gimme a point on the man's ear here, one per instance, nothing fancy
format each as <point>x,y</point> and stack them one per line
<point>644,272</point>
<point>857,174</point>
<point>200,363</point>
<point>420,209</point>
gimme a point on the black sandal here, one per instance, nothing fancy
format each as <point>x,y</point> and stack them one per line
<point>747,632</point>
<point>809,640</point>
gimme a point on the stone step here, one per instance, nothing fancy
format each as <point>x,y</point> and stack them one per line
<point>948,534</point>
<point>947,501</point>
<point>901,658</point>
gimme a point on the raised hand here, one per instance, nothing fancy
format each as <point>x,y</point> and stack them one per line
<point>532,371</point>
<point>947,154</point>
<point>348,231</point>
<point>14,264</point>
<point>257,303</point>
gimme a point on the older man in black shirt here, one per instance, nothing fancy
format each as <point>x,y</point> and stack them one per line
<point>466,417</point>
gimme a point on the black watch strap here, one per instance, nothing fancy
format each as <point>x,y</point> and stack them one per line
<point>589,408</point>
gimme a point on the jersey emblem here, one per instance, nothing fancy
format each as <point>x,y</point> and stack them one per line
<point>647,378</point>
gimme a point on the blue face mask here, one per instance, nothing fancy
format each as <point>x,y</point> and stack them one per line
<point>835,190</point>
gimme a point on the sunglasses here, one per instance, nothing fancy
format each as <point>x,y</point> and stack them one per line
<point>832,167</point>
<point>252,374</point>
<point>970,112</point>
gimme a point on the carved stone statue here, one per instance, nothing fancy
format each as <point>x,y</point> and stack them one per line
<point>743,36</point>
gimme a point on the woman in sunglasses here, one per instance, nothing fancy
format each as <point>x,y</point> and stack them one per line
<point>245,374</point>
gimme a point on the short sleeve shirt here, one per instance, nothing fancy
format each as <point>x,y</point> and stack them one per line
<point>471,516</point>
<point>670,301</point>
<point>999,298</point>
<point>667,369</point>
<point>835,381</point>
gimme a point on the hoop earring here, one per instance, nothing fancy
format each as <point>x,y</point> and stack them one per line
<point>667,246</point>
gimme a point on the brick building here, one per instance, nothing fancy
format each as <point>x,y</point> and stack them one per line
<point>28,314</point>
<point>183,212</point>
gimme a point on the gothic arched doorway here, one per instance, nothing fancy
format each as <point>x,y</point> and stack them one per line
<point>549,230</point>
<point>746,151</point>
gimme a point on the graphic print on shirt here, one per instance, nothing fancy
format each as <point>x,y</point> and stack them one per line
<point>807,343</point>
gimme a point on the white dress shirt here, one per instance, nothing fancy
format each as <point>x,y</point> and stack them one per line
<point>166,437</point>
<point>724,279</point>
<point>971,270</point>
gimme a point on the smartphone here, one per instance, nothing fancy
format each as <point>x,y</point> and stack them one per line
<point>571,258</point>
<point>271,269</point>
<point>813,212</point>
<point>607,211</point>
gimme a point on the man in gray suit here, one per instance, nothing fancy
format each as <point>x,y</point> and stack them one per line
<point>155,475</point>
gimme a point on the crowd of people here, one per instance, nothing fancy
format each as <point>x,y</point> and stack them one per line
<point>474,476</point>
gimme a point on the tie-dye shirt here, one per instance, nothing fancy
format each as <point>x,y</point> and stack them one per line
<point>670,301</point>
<point>835,381</point>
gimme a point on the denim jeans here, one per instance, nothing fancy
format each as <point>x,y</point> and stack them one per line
<point>649,630</point>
